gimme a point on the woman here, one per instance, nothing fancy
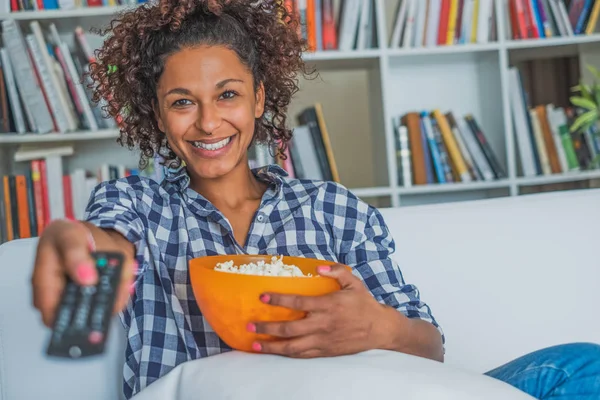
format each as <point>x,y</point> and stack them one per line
<point>198,82</point>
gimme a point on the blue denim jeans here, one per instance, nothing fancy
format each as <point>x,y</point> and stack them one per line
<point>564,372</point>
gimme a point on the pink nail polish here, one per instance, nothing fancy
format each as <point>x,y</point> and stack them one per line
<point>251,327</point>
<point>324,268</point>
<point>136,267</point>
<point>265,298</point>
<point>132,289</point>
<point>256,346</point>
<point>86,273</point>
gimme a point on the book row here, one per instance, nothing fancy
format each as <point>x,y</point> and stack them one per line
<point>309,154</point>
<point>330,25</point>
<point>545,141</point>
<point>429,23</point>
<point>532,19</point>
<point>29,201</point>
<point>433,147</point>
<point>43,85</point>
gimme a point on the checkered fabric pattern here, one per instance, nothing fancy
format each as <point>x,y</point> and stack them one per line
<point>170,224</point>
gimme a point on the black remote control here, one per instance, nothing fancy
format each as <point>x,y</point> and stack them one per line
<point>85,312</point>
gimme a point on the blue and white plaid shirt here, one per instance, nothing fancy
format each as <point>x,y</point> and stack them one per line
<point>170,223</point>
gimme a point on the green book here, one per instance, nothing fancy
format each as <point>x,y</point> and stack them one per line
<point>567,143</point>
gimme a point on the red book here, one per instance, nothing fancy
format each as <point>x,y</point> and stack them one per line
<point>46,199</point>
<point>514,25</point>
<point>532,29</point>
<point>38,195</point>
<point>443,26</point>
<point>520,11</point>
<point>68,195</point>
<point>329,31</point>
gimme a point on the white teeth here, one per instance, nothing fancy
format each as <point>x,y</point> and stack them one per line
<point>213,146</point>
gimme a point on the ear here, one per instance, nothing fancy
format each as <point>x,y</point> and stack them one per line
<point>159,122</point>
<point>260,101</point>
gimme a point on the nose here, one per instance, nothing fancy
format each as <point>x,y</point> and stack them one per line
<point>209,119</point>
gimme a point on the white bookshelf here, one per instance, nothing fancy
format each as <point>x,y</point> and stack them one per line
<point>59,137</point>
<point>471,78</point>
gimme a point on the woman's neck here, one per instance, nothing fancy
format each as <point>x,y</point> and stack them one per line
<point>231,191</point>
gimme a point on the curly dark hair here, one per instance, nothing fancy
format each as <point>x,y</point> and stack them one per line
<point>262,33</point>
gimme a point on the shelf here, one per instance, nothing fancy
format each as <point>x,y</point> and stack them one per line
<point>453,187</point>
<point>64,14</point>
<point>372,192</point>
<point>335,59</point>
<point>438,50</point>
<point>551,42</point>
<point>13,138</point>
<point>558,178</point>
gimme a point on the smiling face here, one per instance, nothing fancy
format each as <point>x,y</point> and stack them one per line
<point>207,105</point>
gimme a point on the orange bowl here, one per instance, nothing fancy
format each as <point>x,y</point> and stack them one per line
<point>230,301</point>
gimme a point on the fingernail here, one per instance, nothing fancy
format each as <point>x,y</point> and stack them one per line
<point>323,268</point>
<point>132,289</point>
<point>86,273</point>
<point>251,327</point>
<point>265,298</point>
<point>136,267</point>
<point>256,346</point>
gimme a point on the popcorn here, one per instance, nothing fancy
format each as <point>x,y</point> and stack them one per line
<point>275,268</point>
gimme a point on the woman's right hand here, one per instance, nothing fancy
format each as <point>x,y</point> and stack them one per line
<point>64,250</point>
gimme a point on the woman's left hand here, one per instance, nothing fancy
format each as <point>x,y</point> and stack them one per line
<point>348,321</point>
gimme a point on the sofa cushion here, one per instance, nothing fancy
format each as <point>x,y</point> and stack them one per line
<point>504,277</point>
<point>369,375</point>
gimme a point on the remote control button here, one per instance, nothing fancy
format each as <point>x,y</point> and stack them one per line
<point>101,262</point>
<point>95,337</point>
<point>75,352</point>
<point>113,262</point>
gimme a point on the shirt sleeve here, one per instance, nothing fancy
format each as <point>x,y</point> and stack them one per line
<point>370,257</point>
<point>113,205</point>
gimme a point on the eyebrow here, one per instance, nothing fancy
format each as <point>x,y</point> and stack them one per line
<point>226,81</point>
<point>184,91</point>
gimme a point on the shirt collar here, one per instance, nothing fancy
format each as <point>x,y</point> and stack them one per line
<point>271,174</point>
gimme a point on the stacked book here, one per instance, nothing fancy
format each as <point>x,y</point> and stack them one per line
<point>532,19</point>
<point>429,23</point>
<point>331,25</point>
<point>42,84</point>
<point>433,147</point>
<point>543,135</point>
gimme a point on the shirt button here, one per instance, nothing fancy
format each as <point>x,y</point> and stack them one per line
<point>260,218</point>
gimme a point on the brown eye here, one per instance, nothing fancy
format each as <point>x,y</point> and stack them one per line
<point>181,103</point>
<point>229,94</point>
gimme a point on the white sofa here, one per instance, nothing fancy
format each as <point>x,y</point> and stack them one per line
<point>504,277</point>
